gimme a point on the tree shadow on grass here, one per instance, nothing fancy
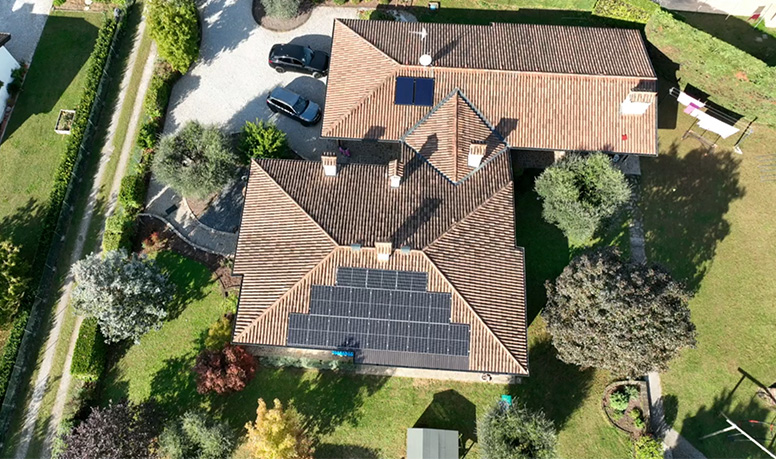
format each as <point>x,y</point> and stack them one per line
<point>449,410</point>
<point>684,202</point>
<point>556,388</point>
<point>174,388</point>
<point>546,248</point>
<point>189,277</point>
<point>326,450</point>
<point>22,226</point>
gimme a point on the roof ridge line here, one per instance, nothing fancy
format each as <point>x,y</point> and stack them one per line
<point>473,311</point>
<point>342,21</point>
<point>532,72</point>
<point>287,293</point>
<point>487,122</point>
<point>425,117</point>
<point>283,190</point>
<point>361,102</point>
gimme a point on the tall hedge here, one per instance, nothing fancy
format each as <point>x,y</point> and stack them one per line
<point>733,79</point>
<point>626,10</point>
<point>62,177</point>
<point>174,25</point>
<point>89,353</point>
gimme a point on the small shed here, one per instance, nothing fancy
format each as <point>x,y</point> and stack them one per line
<point>431,443</point>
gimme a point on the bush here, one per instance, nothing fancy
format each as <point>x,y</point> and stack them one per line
<point>307,363</point>
<point>383,2</point>
<point>196,162</point>
<point>376,15</point>
<point>132,192</point>
<point>618,401</point>
<point>13,281</point>
<point>612,314</point>
<point>733,79</point>
<point>17,79</point>
<point>284,9</point>
<point>59,3</point>
<point>626,10</point>
<point>174,25</point>
<point>277,433</point>
<point>638,419</point>
<point>224,371</point>
<point>196,435</point>
<point>648,447</point>
<point>11,349</point>
<point>219,333</point>
<point>263,140</point>
<point>118,230</point>
<point>515,432</point>
<point>89,353</point>
<point>580,192</point>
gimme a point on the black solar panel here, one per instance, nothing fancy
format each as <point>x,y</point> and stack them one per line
<point>424,91</point>
<point>404,89</point>
<point>382,310</point>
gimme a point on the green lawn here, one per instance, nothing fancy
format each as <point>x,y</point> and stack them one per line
<point>31,150</point>
<point>710,218</point>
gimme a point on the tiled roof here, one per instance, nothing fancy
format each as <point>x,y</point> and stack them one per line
<point>541,87</point>
<point>298,226</point>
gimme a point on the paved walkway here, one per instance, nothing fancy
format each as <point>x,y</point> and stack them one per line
<point>676,446</point>
<point>24,20</point>
<point>164,204</point>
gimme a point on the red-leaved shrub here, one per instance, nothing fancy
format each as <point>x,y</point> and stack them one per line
<point>224,371</point>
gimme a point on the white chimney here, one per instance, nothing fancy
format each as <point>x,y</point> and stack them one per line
<point>476,154</point>
<point>395,173</point>
<point>329,164</point>
<point>384,250</point>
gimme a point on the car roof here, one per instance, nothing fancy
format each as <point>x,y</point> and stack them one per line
<point>285,95</point>
<point>288,49</point>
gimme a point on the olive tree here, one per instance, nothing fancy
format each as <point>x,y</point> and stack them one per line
<point>612,314</point>
<point>196,162</point>
<point>196,435</point>
<point>128,295</point>
<point>513,431</point>
<point>579,192</point>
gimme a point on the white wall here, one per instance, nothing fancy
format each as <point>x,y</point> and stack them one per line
<point>7,64</point>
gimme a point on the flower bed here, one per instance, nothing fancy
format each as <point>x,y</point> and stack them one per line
<point>64,121</point>
<point>626,405</point>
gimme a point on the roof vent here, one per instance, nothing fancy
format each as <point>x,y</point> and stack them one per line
<point>395,171</point>
<point>384,251</point>
<point>405,250</point>
<point>329,164</point>
<point>476,154</point>
<point>355,247</point>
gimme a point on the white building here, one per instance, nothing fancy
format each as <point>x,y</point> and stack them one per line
<point>7,65</point>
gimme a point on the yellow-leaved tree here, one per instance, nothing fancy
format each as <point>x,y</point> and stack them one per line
<point>277,433</point>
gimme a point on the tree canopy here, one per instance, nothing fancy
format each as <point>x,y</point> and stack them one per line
<point>277,433</point>
<point>196,435</point>
<point>611,314</point>
<point>579,192</point>
<point>263,140</point>
<point>128,295</point>
<point>224,371</point>
<point>174,24</point>
<point>13,280</point>
<point>122,430</point>
<point>515,432</point>
<point>197,161</point>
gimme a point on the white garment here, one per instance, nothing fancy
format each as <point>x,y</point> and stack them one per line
<point>714,125</point>
<point>686,99</point>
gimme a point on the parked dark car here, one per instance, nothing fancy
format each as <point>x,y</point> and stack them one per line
<point>295,106</point>
<point>296,58</point>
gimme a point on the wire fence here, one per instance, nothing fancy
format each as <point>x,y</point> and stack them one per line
<point>46,292</point>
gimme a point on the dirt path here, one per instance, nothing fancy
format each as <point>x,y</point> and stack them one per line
<point>44,371</point>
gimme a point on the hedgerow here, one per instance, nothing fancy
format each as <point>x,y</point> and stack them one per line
<point>626,10</point>
<point>89,353</point>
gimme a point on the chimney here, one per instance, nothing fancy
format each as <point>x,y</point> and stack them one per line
<point>329,164</point>
<point>395,171</point>
<point>476,154</point>
<point>384,251</point>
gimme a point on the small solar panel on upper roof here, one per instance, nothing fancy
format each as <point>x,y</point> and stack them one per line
<point>424,91</point>
<point>404,90</point>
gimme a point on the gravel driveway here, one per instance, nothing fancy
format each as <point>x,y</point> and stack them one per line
<point>24,20</point>
<point>230,82</point>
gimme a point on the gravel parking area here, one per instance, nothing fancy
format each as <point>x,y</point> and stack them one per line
<point>24,20</point>
<point>229,83</point>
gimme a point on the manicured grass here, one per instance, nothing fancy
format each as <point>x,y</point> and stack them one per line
<point>760,42</point>
<point>31,150</point>
<point>710,218</point>
<point>354,415</point>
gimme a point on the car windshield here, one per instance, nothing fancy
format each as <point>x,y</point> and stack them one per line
<point>300,105</point>
<point>308,56</point>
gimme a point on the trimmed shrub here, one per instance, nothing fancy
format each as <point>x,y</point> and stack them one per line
<point>733,79</point>
<point>619,401</point>
<point>306,363</point>
<point>219,333</point>
<point>89,353</point>
<point>284,9</point>
<point>174,25</point>
<point>648,447</point>
<point>13,281</point>
<point>132,192</point>
<point>263,140</point>
<point>118,230</point>
<point>515,432</point>
<point>626,10</point>
<point>11,349</point>
<point>638,419</point>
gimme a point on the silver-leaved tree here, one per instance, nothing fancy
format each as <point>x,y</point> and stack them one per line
<point>127,294</point>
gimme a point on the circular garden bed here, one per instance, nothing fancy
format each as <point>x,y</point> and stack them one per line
<point>626,405</point>
<point>277,24</point>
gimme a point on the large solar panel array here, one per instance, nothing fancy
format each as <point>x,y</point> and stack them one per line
<point>379,310</point>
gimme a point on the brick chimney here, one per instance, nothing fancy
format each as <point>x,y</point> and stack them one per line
<point>329,164</point>
<point>384,250</point>
<point>476,154</point>
<point>395,172</point>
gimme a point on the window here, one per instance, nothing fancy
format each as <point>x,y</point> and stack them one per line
<point>414,91</point>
